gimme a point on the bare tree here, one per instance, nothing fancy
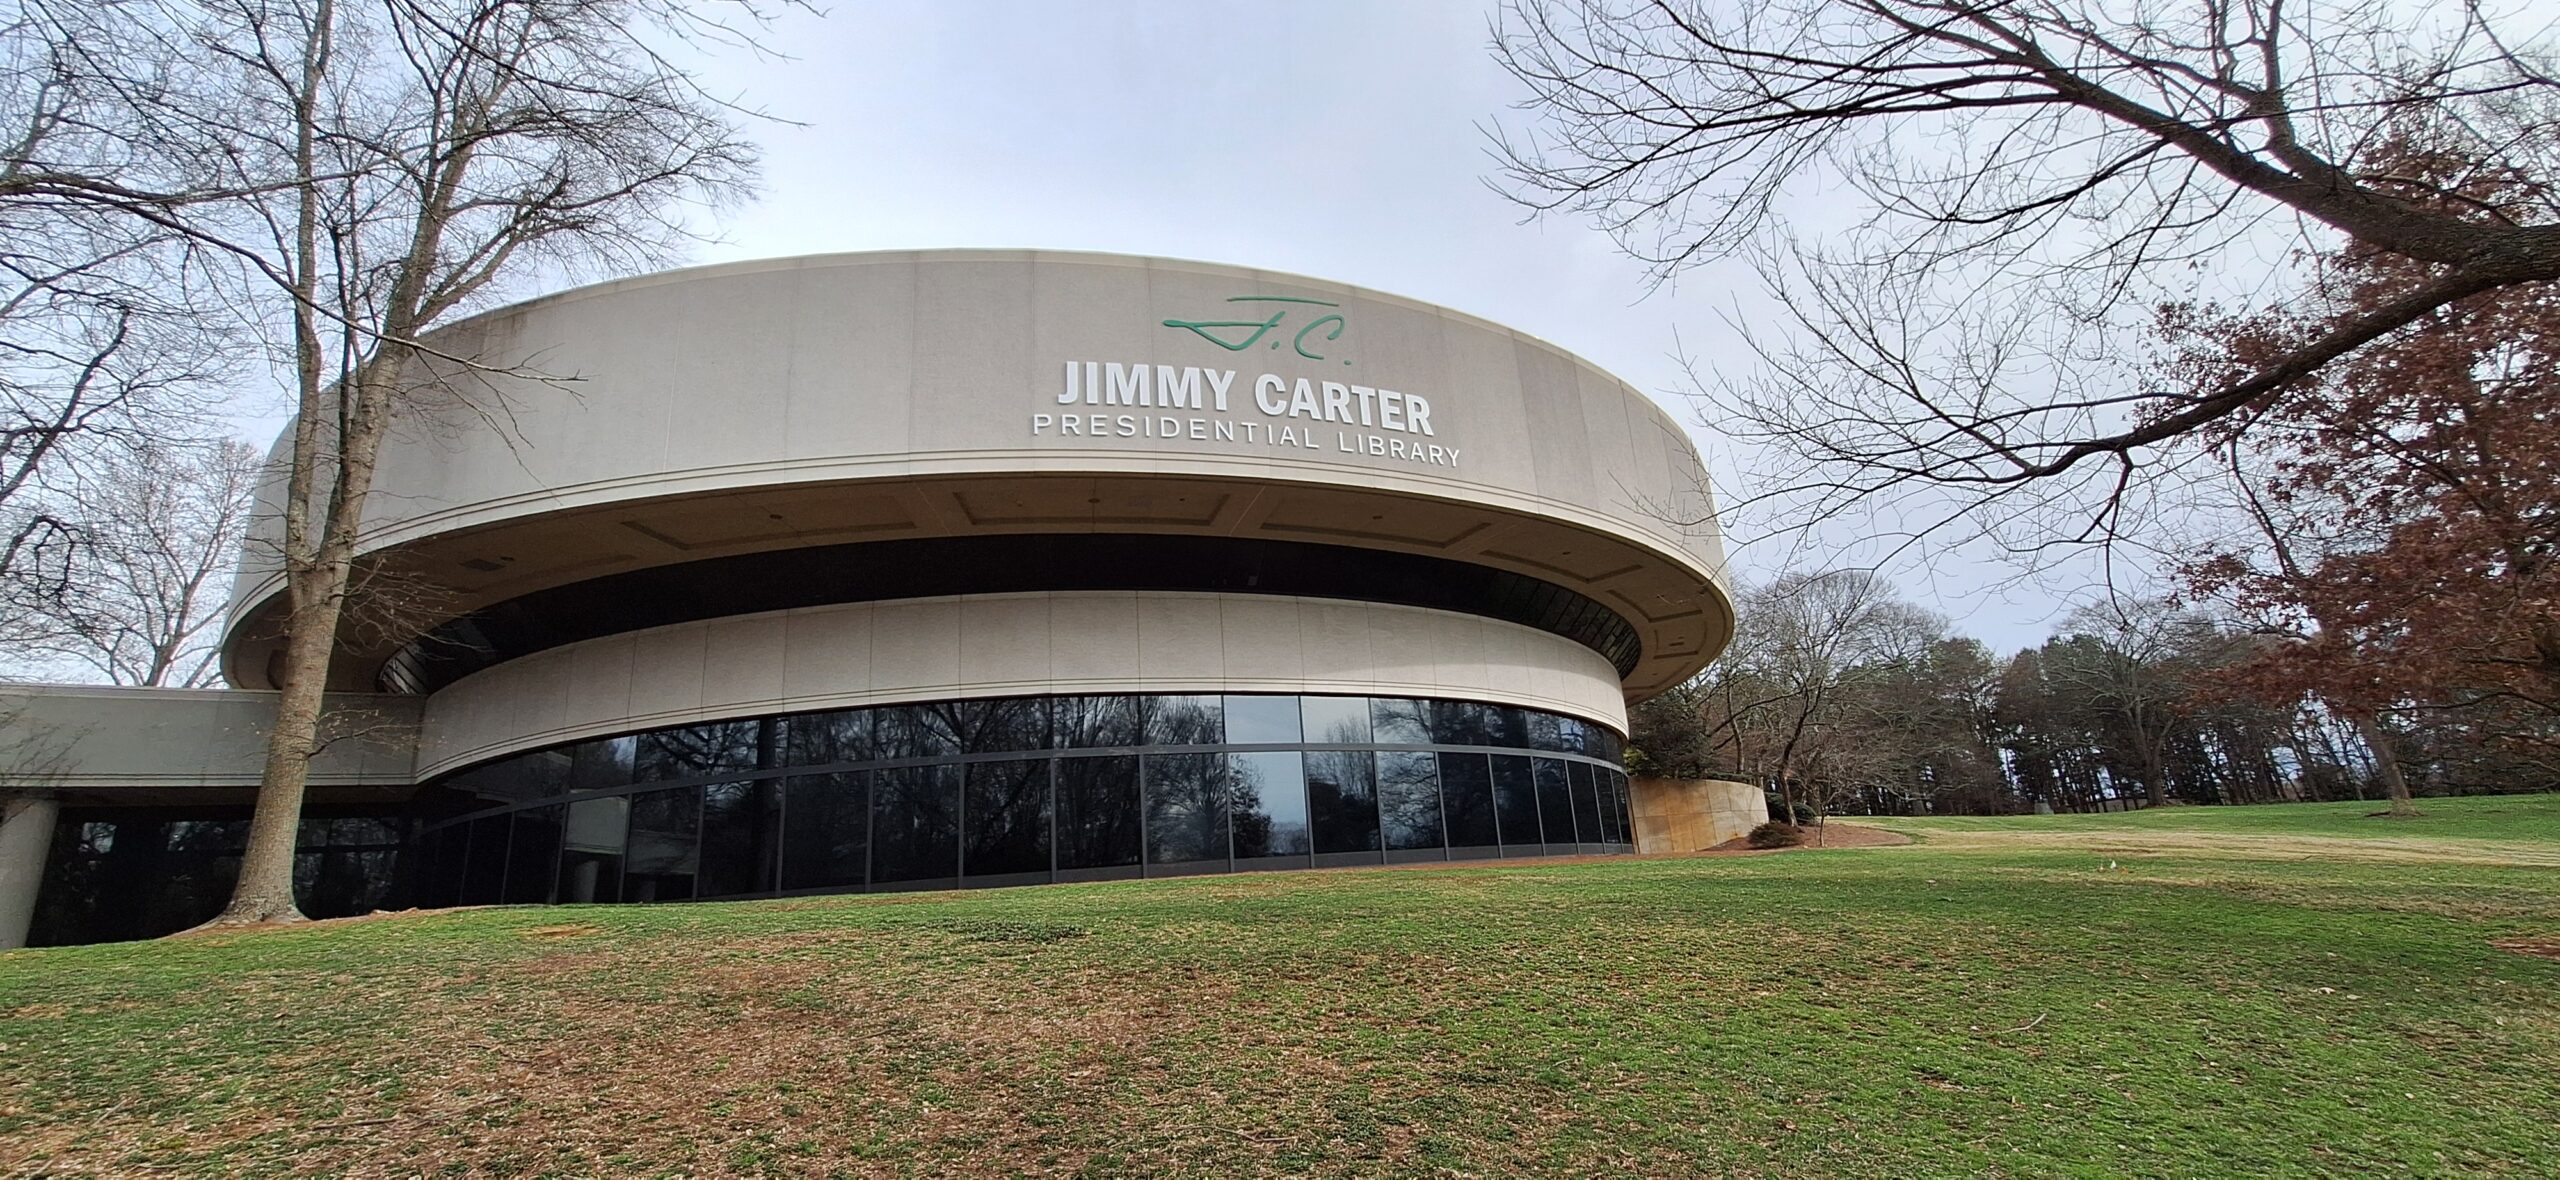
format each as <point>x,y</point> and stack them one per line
<point>104,339</point>
<point>1781,703</point>
<point>156,530</point>
<point>1971,210</point>
<point>2136,666</point>
<point>367,170</point>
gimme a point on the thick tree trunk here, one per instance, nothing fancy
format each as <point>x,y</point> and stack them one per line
<point>2155,778</point>
<point>264,892</point>
<point>2386,765</point>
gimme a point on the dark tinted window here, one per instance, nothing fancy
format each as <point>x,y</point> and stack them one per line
<point>1555,800</point>
<point>1186,808</point>
<point>1001,819</point>
<point>1515,800</point>
<point>1269,813</point>
<point>1466,798</point>
<point>741,837</point>
<point>1262,719</point>
<point>1586,804</point>
<point>515,780</point>
<point>353,883</point>
<point>1574,734</point>
<point>1342,799</point>
<point>1334,719</point>
<point>827,839</point>
<point>445,869</point>
<point>533,854</point>
<point>591,849</point>
<point>1098,812</point>
<point>823,739</point>
<point>915,823</point>
<point>1087,722</point>
<point>1001,726</point>
<point>914,731</point>
<point>665,845</point>
<point>1007,818</point>
<point>1460,723</point>
<point>1409,800</point>
<point>1397,722</point>
<point>485,877</point>
<point>1184,721</point>
<point>696,751</point>
<point>603,763</point>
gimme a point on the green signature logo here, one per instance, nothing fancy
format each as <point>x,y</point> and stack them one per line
<point>1239,335</point>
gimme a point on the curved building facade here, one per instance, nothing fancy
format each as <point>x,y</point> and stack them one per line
<point>1052,563</point>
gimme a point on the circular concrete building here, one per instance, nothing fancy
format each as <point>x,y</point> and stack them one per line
<point>913,569</point>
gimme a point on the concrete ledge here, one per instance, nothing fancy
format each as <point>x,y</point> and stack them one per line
<point>107,744</point>
<point>1687,815</point>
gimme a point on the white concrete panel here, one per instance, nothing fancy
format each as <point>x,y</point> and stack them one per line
<point>881,372</point>
<point>1004,641</point>
<point>853,336</point>
<point>743,660</point>
<point>826,650</point>
<point>666,671</point>
<point>599,677</point>
<point>917,644</point>
<point>1093,638</point>
<point>1402,648</point>
<point>1180,640</point>
<point>1041,643</point>
<point>1263,633</point>
<point>974,373</point>
<point>1333,639</point>
<point>100,740</point>
<point>734,360</point>
<point>1559,435</point>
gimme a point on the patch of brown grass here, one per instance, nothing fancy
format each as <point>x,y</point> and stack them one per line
<point>2538,948</point>
<point>2256,846</point>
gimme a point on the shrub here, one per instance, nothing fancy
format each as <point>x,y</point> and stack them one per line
<point>1775,835</point>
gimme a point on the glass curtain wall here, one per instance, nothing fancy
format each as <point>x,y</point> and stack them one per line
<point>1023,790</point>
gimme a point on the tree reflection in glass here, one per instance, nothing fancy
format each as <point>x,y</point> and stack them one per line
<point>1515,803</point>
<point>1186,808</point>
<point>665,845</point>
<point>824,739</point>
<point>827,843</point>
<point>1555,800</point>
<point>1269,803</point>
<point>1399,722</point>
<point>1586,804</point>
<point>696,751</point>
<point>1089,722</point>
<point>1409,799</point>
<point>1185,721</point>
<point>915,823</point>
<point>1098,812</point>
<point>1340,720</point>
<point>1466,801</point>
<point>1007,818</point>
<point>1342,799</point>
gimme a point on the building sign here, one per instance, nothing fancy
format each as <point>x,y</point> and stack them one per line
<point>1305,415</point>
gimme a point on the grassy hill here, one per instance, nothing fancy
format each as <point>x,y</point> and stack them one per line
<point>2267,991</point>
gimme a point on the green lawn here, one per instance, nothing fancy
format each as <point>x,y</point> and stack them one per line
<point>2480,817</point>
<point>1920,1010</point>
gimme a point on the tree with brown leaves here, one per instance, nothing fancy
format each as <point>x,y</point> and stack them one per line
<point>2407,498</point>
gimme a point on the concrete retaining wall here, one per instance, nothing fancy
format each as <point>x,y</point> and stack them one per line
<point>1686,815</point>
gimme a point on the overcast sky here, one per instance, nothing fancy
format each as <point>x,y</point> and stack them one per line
<point>1337,140</point>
